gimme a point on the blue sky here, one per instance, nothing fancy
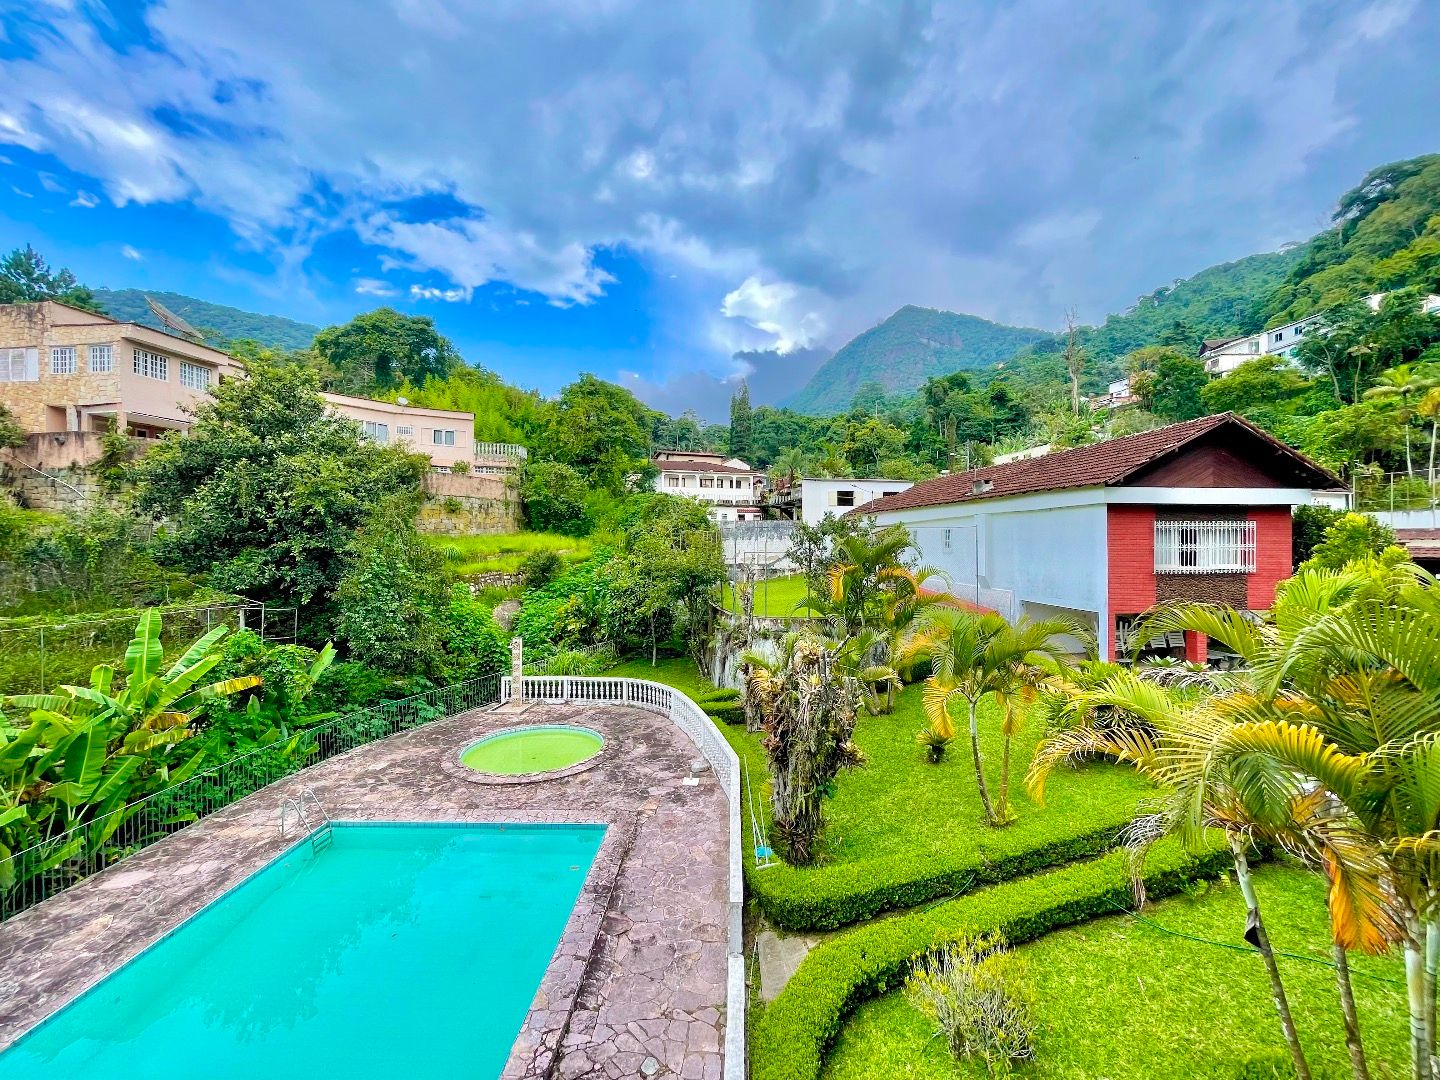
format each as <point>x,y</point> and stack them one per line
<point>642,190</point>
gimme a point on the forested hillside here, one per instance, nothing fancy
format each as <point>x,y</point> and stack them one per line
<point>905,350</point>
<point>217,322</point>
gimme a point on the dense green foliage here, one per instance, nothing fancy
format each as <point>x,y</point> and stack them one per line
<point>220,324</point>
<point>382,348</point>
<point>506,553</point>
<point>267,489</point>
<point>791,1036</point>
<point>906,349</point>
<point>26,278</point>
<point>1113,997</point>
<point>555,498</point>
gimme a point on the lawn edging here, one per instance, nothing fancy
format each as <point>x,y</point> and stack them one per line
<point>831,897</point>
<point>794,1032</point>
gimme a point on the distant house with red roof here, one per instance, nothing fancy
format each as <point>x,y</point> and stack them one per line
<point>1199,510</point>
<point>727,486</point>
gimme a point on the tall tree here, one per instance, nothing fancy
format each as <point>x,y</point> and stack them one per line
<point>602,430</point>
<point>26,278</point>
<point>380,348</point>
<point>1167,381</point>
<point>742,424</point>
<point>1074,359</point>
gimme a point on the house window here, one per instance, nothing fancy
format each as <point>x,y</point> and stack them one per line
<point>1277,337</point>
<point>672,481</point>
<point>19,365</point>
<point>1299,331</point>
<point>709,482</point>
<point>1254,345</point>
<point>102,359</point>
<point>151,365</point>
<point>404,430</point>
<point>195,376</point>
<point>949,539</point>
<point>377,432</point>
<point>1204,547</point>
<point>62,360</point>
<point>845,497</point>
<point>443,437</point>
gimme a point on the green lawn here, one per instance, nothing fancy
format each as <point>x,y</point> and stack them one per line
<point>1124,1000</point>
<point>774,597</point>
<point>486,553</point>
<point>897,820</point>
<point>679,672</point>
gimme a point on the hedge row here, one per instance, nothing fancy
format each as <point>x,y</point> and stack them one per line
<point>791,1036</point>
<point>829,897</point>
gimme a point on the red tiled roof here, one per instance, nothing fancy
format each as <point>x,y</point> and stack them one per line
<point>1095,465</point>
<point>702,466</point>
<point>1422,542</point>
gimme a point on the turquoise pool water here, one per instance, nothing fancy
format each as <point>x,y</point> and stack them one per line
<point>398,951</point>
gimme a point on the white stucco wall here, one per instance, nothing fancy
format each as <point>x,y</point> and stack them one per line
<point>817,495</point>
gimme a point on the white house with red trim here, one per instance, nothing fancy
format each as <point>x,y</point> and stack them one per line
<point>727,486</point>
<point>1199,510</point>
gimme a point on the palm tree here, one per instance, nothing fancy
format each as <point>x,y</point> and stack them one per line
<point>864,566</point>
<point>1328,744</point>
<point>1401,382</point>
<point>1429,408</point>
<point>975,655</point>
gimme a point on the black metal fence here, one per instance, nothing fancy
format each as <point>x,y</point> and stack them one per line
<point>40,871</point>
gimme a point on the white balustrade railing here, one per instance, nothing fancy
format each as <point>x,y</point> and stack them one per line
<point>500,449</point>
<point>701,730</point>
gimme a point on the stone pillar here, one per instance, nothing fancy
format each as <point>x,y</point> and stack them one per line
<point>517,669</point>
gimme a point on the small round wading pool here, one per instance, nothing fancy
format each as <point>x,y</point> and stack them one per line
<point>527,751</point>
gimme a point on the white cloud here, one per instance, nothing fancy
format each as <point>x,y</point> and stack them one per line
<point>131,253</point>
<point>374,287</point>
<point>783,311</point>
<point>21,192</point>
<point>836,167</point>
<point>51,184</point>
<point>84,200</point>
<point>427,292</point>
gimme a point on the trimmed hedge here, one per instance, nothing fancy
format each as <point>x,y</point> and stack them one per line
<point>829,897</point>
<point>791,1036</point>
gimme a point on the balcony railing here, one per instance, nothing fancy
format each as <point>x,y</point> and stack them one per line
<point>500,449</point>
<point>1205,547</point>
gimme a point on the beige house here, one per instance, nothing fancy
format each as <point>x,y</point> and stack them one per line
<point>63,369</point>
<point>447,437</point>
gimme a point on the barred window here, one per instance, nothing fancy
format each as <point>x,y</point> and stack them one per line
<point>102,359</point>
<point>195,376</point>
<point>62,360</point>
<point>152,365</point>
<point>1200,547</point>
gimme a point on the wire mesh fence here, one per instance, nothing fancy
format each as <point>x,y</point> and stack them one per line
<point>1417,490</point>
<point>37,657</point>
<point>65,858</point>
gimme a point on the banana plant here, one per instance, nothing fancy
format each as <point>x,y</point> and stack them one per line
<point>83,754</point>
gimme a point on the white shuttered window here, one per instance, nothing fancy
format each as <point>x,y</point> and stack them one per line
<point>19,365</point>
<point>1204,547</point>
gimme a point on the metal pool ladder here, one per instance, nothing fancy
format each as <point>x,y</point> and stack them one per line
<point>320,834</point>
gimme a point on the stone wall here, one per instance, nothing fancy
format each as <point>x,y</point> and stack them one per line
<point>52,471</point>
<point>457,503</point>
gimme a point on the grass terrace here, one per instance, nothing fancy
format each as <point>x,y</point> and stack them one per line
<point>504,553</point>
<point>780,597</point>
<point>1132,999</point>
<point>903,832</point>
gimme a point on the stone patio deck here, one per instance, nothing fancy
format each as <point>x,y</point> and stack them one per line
<point>637,986</point>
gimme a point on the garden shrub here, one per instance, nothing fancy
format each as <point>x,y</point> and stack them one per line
<point>979,998</point>
<point>473,642</point>
<point>722,705</point>
<point>572,611</point>
<point>791,1036</point>
<point>540,568</point>
<point>836,896</point>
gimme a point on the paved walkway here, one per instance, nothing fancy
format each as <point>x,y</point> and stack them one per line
<point>651,983</point>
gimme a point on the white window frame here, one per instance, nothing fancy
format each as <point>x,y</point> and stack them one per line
<point>152,365</point>
<point>19,365</point>
<point>1224,546</point>
<point>102,359</point>
<point>404,431</point>
<point>443,437</point>
<point>376,431</point>
<point>194,376</point>
<point>62,359</point>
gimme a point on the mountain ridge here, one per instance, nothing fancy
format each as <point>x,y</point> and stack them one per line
<point>214,320</point>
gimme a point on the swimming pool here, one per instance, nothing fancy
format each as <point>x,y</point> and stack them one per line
<point>398,950</point>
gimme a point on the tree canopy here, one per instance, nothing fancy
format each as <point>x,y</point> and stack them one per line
<point>26,278</point>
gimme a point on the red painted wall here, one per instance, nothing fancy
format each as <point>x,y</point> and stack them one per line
<point>1274,556</point>
<point>1130,545</point>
